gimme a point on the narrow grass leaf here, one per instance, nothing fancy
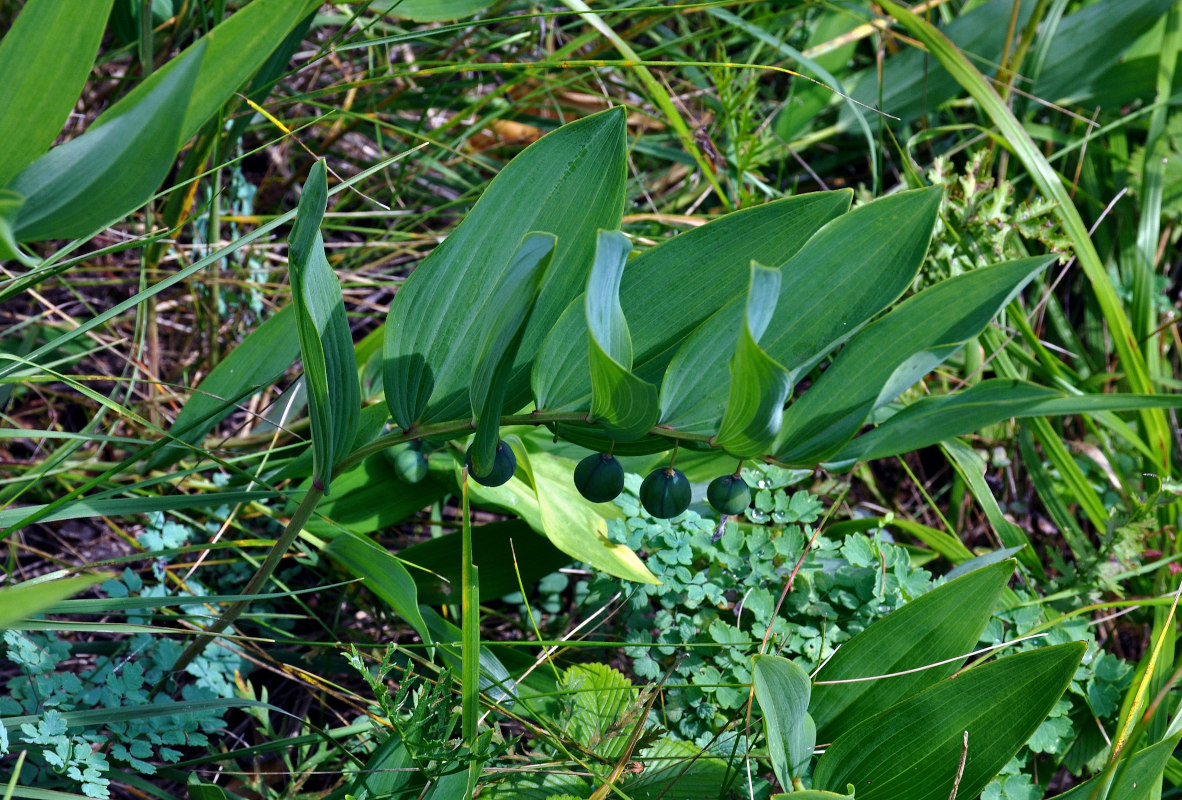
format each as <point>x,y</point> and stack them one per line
<point>258,361</point>
<point>569,183</point>
<point>783,688</point>
<point>94,179</point>
<point>26,599</point>
<point>1051,186</point>
<point>938,417</point>
<point>913,748</point>
<point>45,59</point>
<point>758,386</point>
<point>507,310</point>
<point>891,354</point>
<point>1048,493</point>
<point>971,468</point>
<point>621,402</point>
<point>431,10</point>
<point>945,623</point>
<point>326,342</point>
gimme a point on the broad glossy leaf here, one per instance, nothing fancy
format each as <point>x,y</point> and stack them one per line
<point>96,178</point>
<point>782,688</point>
<point>569,183</point>
<point>229,55</point>
<point>913,748</point>
<point>945,623</point>
<point>258,361</point>
<point>938,417</point>
<point>622,403</point>
<point>852,269</point>
<point>1139,779</point>
<point>894,352</point>
<point>759,386</point>
<point>29,598</point>
<point>45,59</point>
<point>384,575</point>
<point>506,311</point>
<point>663,312</point>
<point>326,343</point>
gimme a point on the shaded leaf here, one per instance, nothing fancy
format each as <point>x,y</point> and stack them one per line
<point>622,403</point>
<point>326,343</point>
<point>913,748</point>
<point>506,310</point>
<point>94,179</point>
<point>384,575</point>
<point>569,183</point>
<point>894,352</point>
<point>939,417</point>
<point>945,623</point>
<point>258,361</point>
<point>45,59</point>
<point>758,386</point>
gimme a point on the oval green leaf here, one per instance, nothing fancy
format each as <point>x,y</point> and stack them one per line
<point>782,688</point>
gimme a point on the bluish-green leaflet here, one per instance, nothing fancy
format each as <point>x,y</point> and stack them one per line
<point>507,310</point>
<point>759,386</point>
<point>624,404</point>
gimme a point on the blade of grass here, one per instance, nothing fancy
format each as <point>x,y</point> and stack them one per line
<point>1049,183</point>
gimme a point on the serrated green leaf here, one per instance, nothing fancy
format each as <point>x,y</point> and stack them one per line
<point>913,748</point>
<point>894,352</point>
<point>759,386</point>
<point>45,59</point>
<point>622,403</point>
<point>507,310</point>
<point>96,178</point>
<point>326,343</point>
<point>674,768</point>
<point>945,623</point>
<point>783,688</point>
<point>569,183</point>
